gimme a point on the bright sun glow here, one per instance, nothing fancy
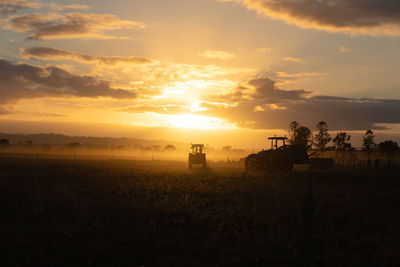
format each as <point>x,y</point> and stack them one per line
<point>198,122</point>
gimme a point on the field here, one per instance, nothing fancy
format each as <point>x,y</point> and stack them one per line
<point>69,212</point>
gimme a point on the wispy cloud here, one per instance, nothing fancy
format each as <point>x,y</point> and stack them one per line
<point>283,74</point>
<point>216,54</point>
<point>70,25</point>
<point>292,59</point>
<point>49,53</point>
<point>12,6</point>
<point>57,7</point>
<point>263,50</point>
<point>344,49</point>
<point>374,17</point>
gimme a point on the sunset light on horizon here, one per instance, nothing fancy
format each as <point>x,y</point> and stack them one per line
<point>200,64</point>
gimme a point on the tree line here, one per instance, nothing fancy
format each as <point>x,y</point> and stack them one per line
<point>301,135</point>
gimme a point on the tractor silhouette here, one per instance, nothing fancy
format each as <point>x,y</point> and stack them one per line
<point>197,156</point>
<point>277,158</point>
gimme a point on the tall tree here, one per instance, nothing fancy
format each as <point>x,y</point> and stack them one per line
<point>368,141</point>
<point>293,126</point>
<point>302,136</point>
<point>322,137</point>
<point>342,141</point>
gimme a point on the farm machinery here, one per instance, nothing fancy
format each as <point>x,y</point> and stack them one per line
<point>197,156</point>
<point>278,157</point>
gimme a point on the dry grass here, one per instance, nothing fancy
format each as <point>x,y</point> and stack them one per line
<point>156,213</point>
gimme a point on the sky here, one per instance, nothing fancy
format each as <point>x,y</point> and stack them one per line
<point>224,67</point>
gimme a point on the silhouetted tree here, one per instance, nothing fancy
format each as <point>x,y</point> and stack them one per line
<point>227,148</point>
<point>342,141</point>
<point>368,141</point>
<point>4,143</point>
<point>388,147</point>
<point>28,143</point>
<point>293,126</point>
<point>322,137</point>
<point>170,148</point>
<point>299,135</point>
<point>302,136</point>
<point>74,144</point>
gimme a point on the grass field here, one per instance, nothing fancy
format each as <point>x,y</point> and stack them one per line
<point>65,212</point>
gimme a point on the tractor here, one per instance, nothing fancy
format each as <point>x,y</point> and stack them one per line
<point>277,158</point>
<point>197,156</point>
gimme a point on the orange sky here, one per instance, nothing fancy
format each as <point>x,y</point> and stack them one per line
<point>235,65</point>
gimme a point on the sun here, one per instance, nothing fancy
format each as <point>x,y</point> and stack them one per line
<point>191,121</point>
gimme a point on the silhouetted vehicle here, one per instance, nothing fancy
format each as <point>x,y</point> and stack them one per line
<point>197,156</point>
<point>277,158</point>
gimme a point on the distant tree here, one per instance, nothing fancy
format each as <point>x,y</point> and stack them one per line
<point>293,126</point>
<point>74,144</point>
<point>227,148</point>
<point>232,150</point>
<point>342,141</point>
<point>368,141</point>
<point>156,147</point>
<point>388,147</point>
<point>170,148</point>
<point>322,137</point>
<point>28,143</point>
<point>4,143</point>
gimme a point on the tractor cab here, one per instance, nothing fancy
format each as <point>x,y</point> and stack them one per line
<point>197,148</point>
<point>197,156</point>
<point>274,142</point>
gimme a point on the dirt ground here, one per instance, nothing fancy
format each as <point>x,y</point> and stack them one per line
<point>66,212</point>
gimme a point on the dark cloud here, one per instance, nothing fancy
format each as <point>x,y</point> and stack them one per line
<point>268,107</point>
<point>355,16</point>
<point>22,81</point>
<point>266,88</point>
<point>70,25</point>
<point>50,53</point>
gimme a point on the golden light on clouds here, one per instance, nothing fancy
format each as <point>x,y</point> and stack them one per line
<point>191,121</point>
<point>221,55</point>
<point>201,65</point>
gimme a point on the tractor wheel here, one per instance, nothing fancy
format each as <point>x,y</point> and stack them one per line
<point>251,162</point>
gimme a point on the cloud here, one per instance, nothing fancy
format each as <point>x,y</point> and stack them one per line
<point>49,53</point>
<point>260,104</point>
<point>12,6</point>
<point>173,109</point>
<point>374,17</point>
<point>265,89</point>
<point>263,50</point>
<point>23,81</point>
<point>344,49</point>
<point>292,59</point>
<point>282,74</point>
<point>215,54</point>
<point>57,7</point>
<point>70,25</point>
